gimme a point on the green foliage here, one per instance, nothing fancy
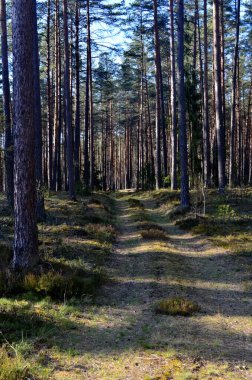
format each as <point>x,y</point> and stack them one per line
<point>226,211</point>
<point>14,367</point>
<point>177,306</point>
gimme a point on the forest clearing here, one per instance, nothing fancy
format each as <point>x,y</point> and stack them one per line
<point>125,190</point>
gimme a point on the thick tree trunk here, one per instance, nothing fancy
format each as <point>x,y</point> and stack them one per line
<point>9,154</point>
<point>25,237</point>
<point>49,105</point>
<point>185,198</point>
<point>77,95</point>
<point>158,101</point>
<point>174,181</point>
<point>67,102</point>
<point>206,137</point>
<point>218,96</point>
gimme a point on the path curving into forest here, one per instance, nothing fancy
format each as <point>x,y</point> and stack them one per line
<point>123,338</point>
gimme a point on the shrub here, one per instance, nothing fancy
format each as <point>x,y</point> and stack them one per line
<point>226,211</point>
<point>177,306</point>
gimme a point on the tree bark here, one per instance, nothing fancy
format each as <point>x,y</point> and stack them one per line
<point>26,235</point>
<point>87,106</point>
<point>38,122</point>
<point>77,95</point>
<point>67,103</point>
<point>174,181</point>
<point>206,137</point>
<point>185,197</point>
<point>9,154</point>
<point>158,100</point>
<point>233,105</point>
<point>218,96</point>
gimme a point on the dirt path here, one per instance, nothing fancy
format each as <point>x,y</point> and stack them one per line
<point>123,338</point>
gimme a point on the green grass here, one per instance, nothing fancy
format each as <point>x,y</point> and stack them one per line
<point>177,306</point>
<point>39,307</point>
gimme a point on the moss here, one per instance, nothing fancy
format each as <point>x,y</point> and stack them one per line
<point>177,306</point>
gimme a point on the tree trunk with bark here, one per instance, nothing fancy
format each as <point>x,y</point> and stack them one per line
<point>185,197</point>
<point>8,154</point>
<point>67,103</point>
<point>26,235</point>
<point>218,96</point>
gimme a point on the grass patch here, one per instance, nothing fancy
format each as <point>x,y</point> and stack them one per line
<point>177,306</point>
<point>154,234</point>
<point>135,203</point>
<point>41,306</point>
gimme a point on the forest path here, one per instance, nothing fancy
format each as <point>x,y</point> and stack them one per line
<point>122,338</point>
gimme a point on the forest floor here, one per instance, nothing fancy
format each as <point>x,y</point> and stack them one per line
<point>118,334</point>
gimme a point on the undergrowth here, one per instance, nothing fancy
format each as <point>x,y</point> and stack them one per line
<point>75,242</point>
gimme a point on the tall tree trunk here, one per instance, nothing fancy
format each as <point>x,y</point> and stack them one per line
<point>38,122</point>
<point>218,96</point>
<point>87,106</point>
<point>174,181</point>
<point>158,99</point>
<point>77,95</point>
<point>233,105</point>
<point>185,197</point>
<point>49,105</point>
<point>9,154</point>
<point>67,102</point>
<point>206,137</point>
<point>26,235</point>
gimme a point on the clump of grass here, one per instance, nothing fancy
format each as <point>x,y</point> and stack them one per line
<point>59,284</point>
<point>177,306</point>
<point>14,367</point>
<point>135,203</point>
<point>150,226</point>
<point>101,232</point>
<point>154,234</point>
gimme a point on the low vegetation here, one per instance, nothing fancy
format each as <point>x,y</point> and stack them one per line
<point>177,306</point>
<point>75,243</point>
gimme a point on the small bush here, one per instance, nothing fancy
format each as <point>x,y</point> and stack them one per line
<point>177,306</point>
<point>154,234</point>
<point>226,212</point>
